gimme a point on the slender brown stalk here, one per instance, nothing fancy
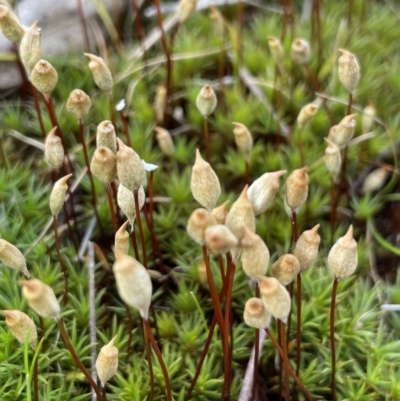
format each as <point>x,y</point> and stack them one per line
<point>151,199</point>
<point>110,203</point>
<point>333,210</point>
<point>75,356</point>
<point>207,139</point>
<point>114,191</point>
<point>38,111</point>
<point>41,325</point>
<point>283,32</point>
<point>84,26</point>
<point>350,104</point>
<point>135,245</point>
<point>285,360</point>
<point>291,292</point>
<point>292,20</point>
<point>298,328</point>
<point>3,157</point>
<point>295,228</point>
<point>317,5</point>
<point>221,267</point>
<point>63,268</point>
<point>279,323</point>
<point>295,378</point>
<point>126,128</point>
<point>36,380</point>
<point>139,222</point>
<point>240,13</point>
<point>104,392</point>
<point>256,352</point>
<point>160,359</point>
<point>332,336</point>
<point>149,362</point>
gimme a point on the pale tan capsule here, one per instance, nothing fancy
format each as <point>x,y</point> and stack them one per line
<point>78,104</point>
<point>256,315</point>
<point>10,25</point>
<point>198,221</point>
<point>368,117</point>
<point>44,77</point>
<point>306,114</point>
<point>53,150</point>
<point>300,51</point>
<point>30,48</point>
<point>57,196</point>
<point>165,142</point>
<point>12,257</point>
<point>220,239</point>
<point>349,70</point>
<point>243,139</point>
<point>133,282</point>
<point>220,212</point>
<point>275,296</point>
<point>276,49</point>
<point>218,22</point>
<point>101,73</point>
<point>332,133</point>
<point>104,165</point>
<point>297,189</point>
<point>41,298</point>
<point>206,101</point>
<point>20,326</point>
<point>345,130</point>
<point>262,191</point>
<point>185,9</point>
<point>130,168</point>
<point>240,215</point>
<point>202,272</point>
<point>204,183</point>
<point>286,269</point>
<point>159,102</point>
<point>107,362</point>
<point>255,254</point>
<point>306,249</point>
<point>374,181</point>
<point>343,258</point>
<point>333,159</point>
<point>121,239</point>
<point>106,136</point>
<point>126,202</point>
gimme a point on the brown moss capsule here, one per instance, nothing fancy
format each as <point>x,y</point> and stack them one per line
<point>107,362</point>
<point>345,130</point>
<point>349,70</point>
<point>255,254</point>
<point>20,326</point>
<point>12,257</point>
<point>286,269</point>
<point>10,25</point>
<point>78,104</point>
<point>256,315</point>
<point>300,51</point>
<point>165,141</point>
<point>275,296</point>
<point>106,136</point>
<point>262,191</point>
<point>53,150</point>
<point>57,196</point>
<point>159,102</point>
<point>206,101</point>
<point>133,282</point>
<point>240,215</point>
<point>121,239</point>
<point>306,114</point>
<point>276,49</point>
<point>368,117</point>
<point>297,189</point>
<point>104,165</point>
<point>306,249</point>
<point>41,298</point>
<point>101,73</point>
<point>243,139</point>
<point>30,48</point>
<point>343,258</point>
<point>130,168</point>
<point>220,212</point>
<point>126,202</point>
<point>374,181</point>
<point>204,183</point>
<point>185,9</point>
<point>220,239</point>
<point>333,159</point>
<point>198,221</point>
<point>44,77</point>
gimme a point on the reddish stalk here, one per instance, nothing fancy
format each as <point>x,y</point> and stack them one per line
<point>139,222</point>
<point>298,328</point>
<point>332,337</point>
<point>333,210</point>
<point>149,362</point>
<point>350,104</point>
<point>104,392</point>
<point>285,360</point>
<point>114,191</point>
<point>63,268</point>
<point>240,12</point>
<point>256,352</point>
<point>151,199</point>
<point>279,323</point>
<point>167,53</point>
<point>134,244</point>
<point>110,204</point>
<point>317,5</point>
<point>160,359</point>
<point>207,139</point>
<point>221,267</point>
<point>126,128</point>
<point>295,378</point>
<point>292,20</point>
<point>75,356</point>
<point>38,112</point>
<point>84,26</point>
<point>283,32</point>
